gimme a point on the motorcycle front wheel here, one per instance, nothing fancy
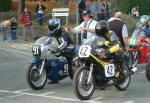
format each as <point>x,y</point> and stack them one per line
<point>34,79</point>
<point>135,55</point>
<point>125,79</point>
<point>148,70</point>
<point>83,90</point>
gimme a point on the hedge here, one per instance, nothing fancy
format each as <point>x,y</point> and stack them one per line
<point>5,5</point>
<point>127,5</point>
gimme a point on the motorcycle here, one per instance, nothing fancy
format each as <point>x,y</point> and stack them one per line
<point>98,70</point>
<point>139,47</point>
<point>45,63</point>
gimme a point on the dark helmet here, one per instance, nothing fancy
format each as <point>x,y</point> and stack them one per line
<point>53,26</point>
<point>87,12</point>
<point>101,28</point>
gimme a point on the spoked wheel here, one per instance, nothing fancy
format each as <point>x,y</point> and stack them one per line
<point>34,79</point>
<point>83,90</point>
<point>129,59</point>
<point>135,56</point>
<point>125,78</point>
<point>148,70</point>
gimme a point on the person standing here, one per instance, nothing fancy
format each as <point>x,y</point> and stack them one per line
<point>26,21</point>
<point>99,10</point>
<point>13,27</point>
<point>3,25</point>
<point>90,6</point>
<point>117,25</point>
<point>84,27</point>
<point>81,8</point>
<point>135,11</point>
<point>106,9</point>
<point>40,13</point>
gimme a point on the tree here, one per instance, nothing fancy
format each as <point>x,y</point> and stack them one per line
<point>5,5</point>
<point>21,6</point>
<point>127,5</point>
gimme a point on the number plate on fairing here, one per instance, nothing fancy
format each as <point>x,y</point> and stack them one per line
<point>109,70</point>
<point>84,51</point>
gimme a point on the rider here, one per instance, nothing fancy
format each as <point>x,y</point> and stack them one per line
<point>145,21</point>
<point>102,29</point>
<point>63,40</point>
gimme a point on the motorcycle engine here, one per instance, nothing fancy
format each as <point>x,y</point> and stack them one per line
<point>99,75</point>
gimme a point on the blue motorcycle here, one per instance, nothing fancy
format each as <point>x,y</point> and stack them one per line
<point>46,65</point>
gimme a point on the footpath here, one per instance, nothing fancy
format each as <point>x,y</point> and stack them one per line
<point>19,45</point>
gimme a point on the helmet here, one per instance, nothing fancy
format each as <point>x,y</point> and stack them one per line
<point>53,26</point>
<point>101,28</point>
<point>144,19</point>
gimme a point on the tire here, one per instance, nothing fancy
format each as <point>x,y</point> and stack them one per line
<point>129,59</point>
<point>33,78</point>
<point>124,82</point>
<point>83,91</point>
<point>71,71</point>
<point>135,58</point>
<point>148,70</point>
<point>73,65</point>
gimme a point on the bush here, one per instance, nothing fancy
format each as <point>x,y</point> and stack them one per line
<point>127,5</point>
<point>5,5</point>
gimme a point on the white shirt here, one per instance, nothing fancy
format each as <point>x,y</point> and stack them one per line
<point>40,11</point>
<point>90,24</point>
<point>124,28</point>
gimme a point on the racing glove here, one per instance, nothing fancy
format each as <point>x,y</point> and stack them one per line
<point>54,51</point>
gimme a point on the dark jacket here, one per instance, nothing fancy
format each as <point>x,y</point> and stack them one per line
<point>37,8</point>
<point>13,26</point>
<point>116,26</point>
<point>63,39</point>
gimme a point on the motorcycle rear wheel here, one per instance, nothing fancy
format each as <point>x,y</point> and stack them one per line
<point>35,81</point>
<point>83,90</point>
<point>125,79</point>
<point>148,70</point>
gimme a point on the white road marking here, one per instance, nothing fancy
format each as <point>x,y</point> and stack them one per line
<point>94,100</point>
<point>15,51</point>
<point>5,91</point>
<point>129,102</point>
<point>41,95</point>
<point>21,91</point>
<point>14,96</point>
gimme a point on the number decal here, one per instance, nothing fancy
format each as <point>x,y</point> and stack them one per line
<point>66,68</point>
<point>35,50</point>
<point>109,70</point>
<point>84,51</point>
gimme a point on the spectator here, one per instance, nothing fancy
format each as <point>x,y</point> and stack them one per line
<point>117,25</point>
<point>81,7</point>
<point>83,28</point>
<point>99,10</point>
<point>13,27</point>
<point>135,11</point>
<point>40,12</point>
<point>26,20</point>
<point>90,6</point>
<point>4,25</point>
<point>106,10</point>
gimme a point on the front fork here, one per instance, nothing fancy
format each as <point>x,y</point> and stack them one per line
<point>42,67</point>
<point>90,74</point>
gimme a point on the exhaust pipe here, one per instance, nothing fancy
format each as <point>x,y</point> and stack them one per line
<point>133,70</point>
